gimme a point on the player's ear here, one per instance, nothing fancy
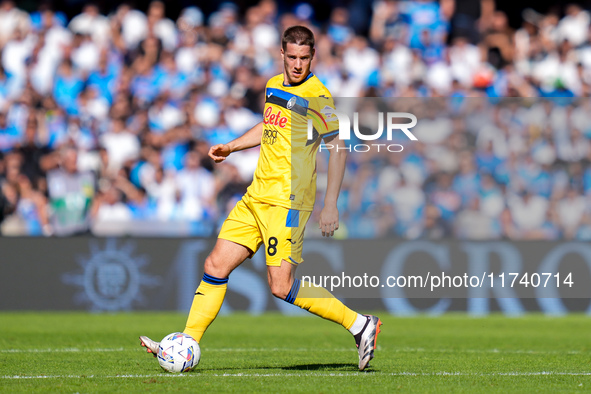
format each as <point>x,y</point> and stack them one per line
<point>312,52</point>
<point>282,54</point>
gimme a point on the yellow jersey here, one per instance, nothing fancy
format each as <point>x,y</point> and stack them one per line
<point>286,171</point>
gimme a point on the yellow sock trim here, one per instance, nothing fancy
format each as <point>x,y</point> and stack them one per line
<point>321,302</point>
<point>206,305</point>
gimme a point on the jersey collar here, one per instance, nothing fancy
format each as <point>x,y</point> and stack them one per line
<point>299,83</point>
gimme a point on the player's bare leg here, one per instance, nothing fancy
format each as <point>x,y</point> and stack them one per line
<point>321,302</point>
<point>281,279</point>
<point>223,259</point>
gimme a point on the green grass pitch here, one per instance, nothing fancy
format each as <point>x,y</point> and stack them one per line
<point>80,352</point>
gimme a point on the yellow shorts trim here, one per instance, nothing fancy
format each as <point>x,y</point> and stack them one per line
<point>253,223</point>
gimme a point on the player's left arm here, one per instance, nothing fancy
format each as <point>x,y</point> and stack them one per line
<point>250,139</point>
<point>329,216</point>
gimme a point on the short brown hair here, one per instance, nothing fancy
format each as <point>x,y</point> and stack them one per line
<point>299,35</point>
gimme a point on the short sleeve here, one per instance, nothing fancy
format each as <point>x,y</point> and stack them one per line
<point>322,113</point>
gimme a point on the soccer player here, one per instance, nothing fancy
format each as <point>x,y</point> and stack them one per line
<point>278,203</point>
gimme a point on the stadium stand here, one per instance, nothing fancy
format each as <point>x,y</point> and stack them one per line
<point>106,120</point>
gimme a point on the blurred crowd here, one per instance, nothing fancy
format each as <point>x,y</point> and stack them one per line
<point>482,169</point>
<point>106,119</point>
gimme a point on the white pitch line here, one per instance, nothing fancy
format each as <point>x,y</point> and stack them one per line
<point>505,351</point>
<point>103,350</point>
<point>246,350</point>
<point>312,374</point>
<point>65,350</point>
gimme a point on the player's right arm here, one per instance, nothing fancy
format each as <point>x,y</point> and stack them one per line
<point>250,139</point>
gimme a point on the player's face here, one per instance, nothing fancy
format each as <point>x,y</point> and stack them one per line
<point>296,62</point>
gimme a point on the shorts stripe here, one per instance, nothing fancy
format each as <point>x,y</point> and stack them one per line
<point>293,218</point>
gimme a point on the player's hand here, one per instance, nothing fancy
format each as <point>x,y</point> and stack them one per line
<point>329,220</point>
<point>219,152</point>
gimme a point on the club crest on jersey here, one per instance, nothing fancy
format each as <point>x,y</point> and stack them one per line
<point>291,102</point>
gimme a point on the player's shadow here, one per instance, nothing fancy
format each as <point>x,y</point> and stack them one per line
<point>334,367</point>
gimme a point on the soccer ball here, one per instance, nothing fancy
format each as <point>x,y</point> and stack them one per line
<point>178,352</point>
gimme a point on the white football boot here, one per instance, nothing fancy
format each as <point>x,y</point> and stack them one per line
<point>150,345</point>
<point>367,339</point>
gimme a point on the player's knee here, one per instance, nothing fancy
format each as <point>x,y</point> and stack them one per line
<point>215,267</point>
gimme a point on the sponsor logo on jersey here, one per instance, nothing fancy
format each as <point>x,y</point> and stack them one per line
<point>269,137</point>
<point>274,119</point>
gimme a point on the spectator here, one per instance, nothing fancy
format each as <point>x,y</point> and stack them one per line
<point>70,193</point>
<point>338,29</point>
<point>196,187</point>
<point>132,25</point>
<point>409,203</point>
<point>9,135</point>
<point>574,27</point>
<point>424,16</point>
<point>528,211</point>
<point>473,224</point>
<point>108,213</point>
<point>15,53</point>
<point>91,23</point>
<point>160,26</point>
<point>37,158</point>
<point>571,211</point>
<point>162,189</point>
<point>434,227</point>
<point>387,22</point>
<point>31,208</point>
<point>360,60</point>
<point>12,19</point>
<point>466,182</point>
<point>85,53</point>
<point>445,199</point>
<point>68,85</point>
<point>121,145</point>
<point>8,201</point>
